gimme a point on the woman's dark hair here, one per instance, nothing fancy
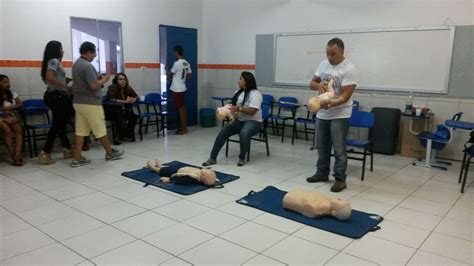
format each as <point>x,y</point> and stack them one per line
<point>87,47</point>
<point>5,95</point>
<point>52,50</point>
<point>115,80</point>
<point>250,85</point>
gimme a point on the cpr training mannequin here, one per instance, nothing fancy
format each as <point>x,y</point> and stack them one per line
<point>314,204</point>
<point>225,112</point>
<point>314,103</point>
<point>183,175</point>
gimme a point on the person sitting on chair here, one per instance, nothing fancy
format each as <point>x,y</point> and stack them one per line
<point>123,117</point>
<point>246,107</point>
<point>10,125</point>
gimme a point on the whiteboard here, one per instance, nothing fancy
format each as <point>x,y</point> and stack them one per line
<point>415,60</point>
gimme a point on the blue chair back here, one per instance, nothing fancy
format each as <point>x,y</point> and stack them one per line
<point>267,98</point>
<point>287,99</point>
<point>153,98</point>
<point>442,133</point>
<point>265,110</point>
<point>362,119</point>
<point>355,105</point>
<point>34,106</point>
<point>36,103</point>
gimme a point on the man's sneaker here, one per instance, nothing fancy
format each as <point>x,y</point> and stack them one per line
<point>116,154</point>
<point>315,178</point>
<point>209,162</point>
<point>338,186</point>
<point>80,162</point>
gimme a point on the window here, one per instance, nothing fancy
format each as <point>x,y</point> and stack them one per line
<point>107,37</point>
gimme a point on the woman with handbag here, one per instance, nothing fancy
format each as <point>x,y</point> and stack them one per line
<point>58,97</point>
<point>10,125</point>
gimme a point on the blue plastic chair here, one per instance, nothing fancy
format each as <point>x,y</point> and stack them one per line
<point>31,109</point>
<point>309,120</point>
<point>154,114</point>
<point>466,160</point>
<point>437,140</point>
<point>262,136</point>
<point>360,119</point>
<point>286,111</point>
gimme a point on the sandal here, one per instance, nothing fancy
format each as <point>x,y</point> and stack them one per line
<point>17,162</point>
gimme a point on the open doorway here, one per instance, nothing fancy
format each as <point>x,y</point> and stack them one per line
<point>171,36</point>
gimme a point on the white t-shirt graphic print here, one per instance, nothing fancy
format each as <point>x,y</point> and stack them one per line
<point>343,74</point>
<point>181,68</point>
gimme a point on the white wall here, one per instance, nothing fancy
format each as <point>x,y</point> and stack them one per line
<point>230,26</point>
<point>26,27</point>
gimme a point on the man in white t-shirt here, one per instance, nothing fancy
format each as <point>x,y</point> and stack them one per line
<point>181,71</point>
<point>333,118</point>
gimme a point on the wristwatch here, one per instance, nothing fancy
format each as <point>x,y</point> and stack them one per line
<point>329,106</point>
<point>240,109</point>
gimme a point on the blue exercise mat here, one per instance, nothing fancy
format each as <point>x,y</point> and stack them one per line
<point>271,200</point>
<point>149,177</point>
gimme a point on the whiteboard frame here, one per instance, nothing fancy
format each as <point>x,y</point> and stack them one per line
<point>378,88</point>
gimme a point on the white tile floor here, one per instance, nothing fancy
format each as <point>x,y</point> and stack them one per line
<point>92,215</point>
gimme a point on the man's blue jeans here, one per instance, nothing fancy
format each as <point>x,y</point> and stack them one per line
<point>332,134</point>
<point>245,129</point>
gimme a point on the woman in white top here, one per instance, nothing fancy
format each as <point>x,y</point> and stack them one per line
<point>246,107</point>
<point>10,125</point>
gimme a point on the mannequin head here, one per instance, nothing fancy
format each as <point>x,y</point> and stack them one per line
<point>340,209</point>
<point>208,177</point>
<point>314,104</point>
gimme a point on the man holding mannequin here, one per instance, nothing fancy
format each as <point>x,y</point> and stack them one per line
<point>333,118</point>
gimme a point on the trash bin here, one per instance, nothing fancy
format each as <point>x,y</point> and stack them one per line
<point>207,117</point>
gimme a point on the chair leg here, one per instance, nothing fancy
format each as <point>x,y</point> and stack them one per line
<point>34,143</point>
<point>140,124</point>
<point>462,166</point>
<point>248,152</point>
<point>146,125</point>
<point>305,131</point>
<point>465,174</point>
<point>227,148</point>
<point>163,124</point>
<point>283,131</point>
<point>363,164</point>
<point>293,135</point>
<point>157,127</point>
<point>30,148</point>
<point>266,142</point>
<point>371,159</point>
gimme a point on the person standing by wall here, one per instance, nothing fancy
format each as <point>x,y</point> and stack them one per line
<point>333,118</point>
<point>58,97</point>
<point>181,71</point>
<point>87,87</point>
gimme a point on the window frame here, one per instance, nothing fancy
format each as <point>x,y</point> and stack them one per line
<point>120,68</point>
